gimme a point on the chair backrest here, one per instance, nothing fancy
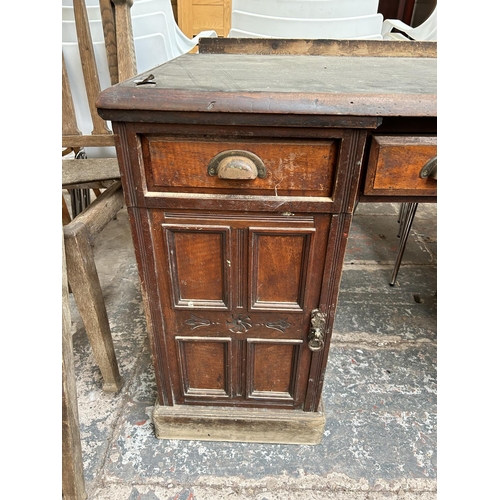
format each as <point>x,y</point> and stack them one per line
<point>251,25</point>
<point>88,68</point>
<point>307,9</point>
<point>312,19</point>
<point>151,36</point>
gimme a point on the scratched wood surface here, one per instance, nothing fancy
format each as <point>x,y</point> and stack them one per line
<point>317,47</point>
<point>363,86</point>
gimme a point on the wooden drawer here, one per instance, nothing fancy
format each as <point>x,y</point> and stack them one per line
<point>293,167</point>
<point>395,163</point>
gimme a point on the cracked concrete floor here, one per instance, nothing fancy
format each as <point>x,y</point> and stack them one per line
<point>379,392</point>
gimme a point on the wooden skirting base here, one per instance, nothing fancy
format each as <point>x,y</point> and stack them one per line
<point>250,425</point>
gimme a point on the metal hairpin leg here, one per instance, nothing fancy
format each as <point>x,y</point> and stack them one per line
<point>406,216</point>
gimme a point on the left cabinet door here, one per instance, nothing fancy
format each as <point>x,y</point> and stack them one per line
<point>236,294</point>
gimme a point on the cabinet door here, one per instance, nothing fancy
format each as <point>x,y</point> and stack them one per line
<point>237,293</point>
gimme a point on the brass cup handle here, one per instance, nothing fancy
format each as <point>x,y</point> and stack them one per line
<point>237,165</point>
<point>430,169</point>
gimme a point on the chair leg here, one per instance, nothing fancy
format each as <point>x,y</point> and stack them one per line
<point>406,216</point>
<point>73,483</point>
<point>84,281</point>
<point>66,218</point>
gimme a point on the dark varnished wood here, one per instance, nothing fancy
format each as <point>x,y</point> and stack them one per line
<point>227,83</point>
<point>232,269</point>
<point>246,285</point>
<point>297,168</point>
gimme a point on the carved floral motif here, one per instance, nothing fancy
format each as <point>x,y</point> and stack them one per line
<point>239,323</point>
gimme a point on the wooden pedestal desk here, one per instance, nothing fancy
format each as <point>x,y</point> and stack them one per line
<point>240,174</point>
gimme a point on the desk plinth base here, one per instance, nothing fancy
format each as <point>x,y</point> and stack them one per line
<point>248,425</point>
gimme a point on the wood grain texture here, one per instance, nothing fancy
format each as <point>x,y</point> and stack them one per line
<point>84,281</point>
<point>69,124</point>
<point>144,251</point>
<point>395,163</point>
<point>88,170</point>
<point>199,269</point>
<point>73,483</point>
<point>109,30</point>
<point>273,368</point>
<point>98,214</point>
<point>280,259</point>
<point>81,141</point>
<point>200,15</point>
<point>124,38</point>
<point>272,329</point>
<point>205,366</point>
<point>89,66</point>
<point>240,425</point>
<point>297,168</point>
<point>345,48</point>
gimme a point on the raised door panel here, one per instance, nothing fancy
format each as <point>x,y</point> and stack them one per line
<point>205,366</point>
<point>198,260</point>
<point>273,368</point>
<point>278,268</point>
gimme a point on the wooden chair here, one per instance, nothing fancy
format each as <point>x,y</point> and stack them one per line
<point>325,19</point>
<point>156,39</point>
<point>94,173</point>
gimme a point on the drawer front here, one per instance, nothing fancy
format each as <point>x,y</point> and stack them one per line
<point>395,163</point>
<point>292,167</point>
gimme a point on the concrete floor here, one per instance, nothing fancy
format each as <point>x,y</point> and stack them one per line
<point>379,392</point>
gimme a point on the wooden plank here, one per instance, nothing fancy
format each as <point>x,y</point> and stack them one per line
<point>81,141</point>
<point>84,281</point>
<point>250,425</point>
<point>89,65</point>
<point>88,170</point>
<point>97,214</point>
<point>73,483</point>
<point>125,43</point>
<point>350,48</point>
<point>69,124</point>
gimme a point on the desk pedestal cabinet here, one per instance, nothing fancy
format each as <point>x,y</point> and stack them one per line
<point>240,175</point>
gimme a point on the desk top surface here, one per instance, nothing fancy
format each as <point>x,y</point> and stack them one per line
<point>361,86</point>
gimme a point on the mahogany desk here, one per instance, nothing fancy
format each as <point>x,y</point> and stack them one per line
<point>240,174</point>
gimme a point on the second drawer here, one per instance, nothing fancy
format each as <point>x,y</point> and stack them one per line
<point>395,164</point>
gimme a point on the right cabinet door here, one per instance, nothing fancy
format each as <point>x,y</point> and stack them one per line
<point>237,292</point>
